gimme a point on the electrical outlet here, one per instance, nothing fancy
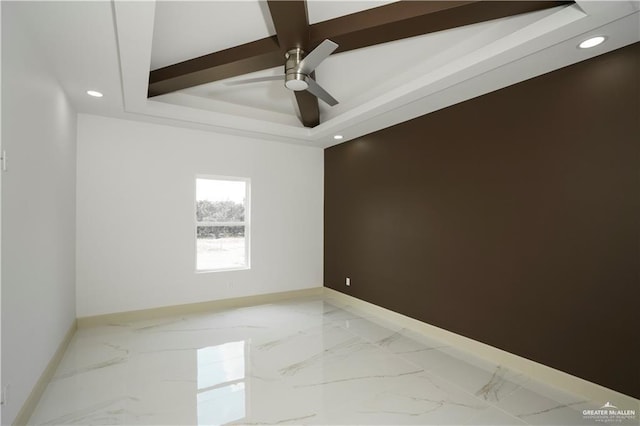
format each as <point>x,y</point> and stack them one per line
<point>348,281</point>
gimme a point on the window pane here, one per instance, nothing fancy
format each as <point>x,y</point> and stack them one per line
<point>220,247</point>
<point>219,211</point>
<point>220,200</point>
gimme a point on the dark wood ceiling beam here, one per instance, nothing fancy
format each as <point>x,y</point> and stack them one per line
<point>382,24</point>
<point>309,104</point>
<point>291,22</point>
<point>246,58</point>
<point>354,29</point>
<point>406,19</point>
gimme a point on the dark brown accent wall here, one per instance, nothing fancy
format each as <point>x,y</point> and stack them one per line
<point>512,218</point>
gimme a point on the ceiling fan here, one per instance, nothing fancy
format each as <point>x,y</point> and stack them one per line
<point>294,36</point>
<point>298,69</point>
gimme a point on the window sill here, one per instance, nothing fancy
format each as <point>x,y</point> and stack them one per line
<point>207,271</point>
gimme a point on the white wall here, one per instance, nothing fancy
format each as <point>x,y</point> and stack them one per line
<point>38,213</point>
<point>135,215</point>
<point>1,218</point>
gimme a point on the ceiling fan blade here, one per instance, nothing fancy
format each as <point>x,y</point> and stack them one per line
<point>317,55</point>
<point>316,90</point>
<point>254,80</point>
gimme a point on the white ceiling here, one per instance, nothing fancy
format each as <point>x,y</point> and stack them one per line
<point>111,46</point>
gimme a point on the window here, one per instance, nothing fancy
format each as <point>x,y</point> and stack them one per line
<point>222,223</point>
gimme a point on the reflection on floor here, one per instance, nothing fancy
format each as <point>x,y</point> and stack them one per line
<point>305,361</point>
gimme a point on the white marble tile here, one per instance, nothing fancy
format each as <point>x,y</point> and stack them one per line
<point>92,397</point>
<point>389,336</point>
<point>538,404</point>
<point>494,416</point>
<point>306,361</point>
<point>487,381</point>
<point>415,399</point>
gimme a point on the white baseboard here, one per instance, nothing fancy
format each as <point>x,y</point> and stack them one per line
<point>29,405</point>
<point>190,308</point>
<point>540,372</point>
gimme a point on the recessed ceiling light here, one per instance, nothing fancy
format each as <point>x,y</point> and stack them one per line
<point>591,42</point>
<point>338,137</point>
<point>94,93</point>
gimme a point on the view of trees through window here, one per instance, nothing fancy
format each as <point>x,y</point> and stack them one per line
<point>219,211</point>
<point>221,223</point>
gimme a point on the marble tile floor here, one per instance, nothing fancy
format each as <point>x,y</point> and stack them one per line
<point>303,361</point>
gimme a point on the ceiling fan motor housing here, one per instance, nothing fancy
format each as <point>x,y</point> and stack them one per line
<point>294,78</point>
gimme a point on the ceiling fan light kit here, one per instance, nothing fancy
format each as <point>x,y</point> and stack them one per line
<point>296,82</point>
<point>299,66</point>
<point>294,79</point>
<point>297,71</point>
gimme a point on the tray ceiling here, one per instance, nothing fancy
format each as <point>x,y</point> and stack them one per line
<point>116,45</point>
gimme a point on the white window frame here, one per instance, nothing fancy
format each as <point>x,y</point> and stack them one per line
<point>246,223</point>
